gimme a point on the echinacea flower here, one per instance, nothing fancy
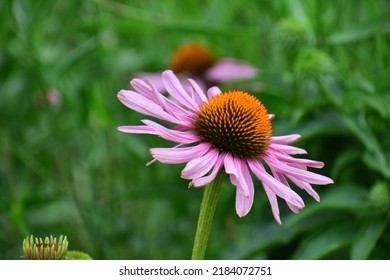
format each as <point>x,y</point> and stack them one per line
<point>197,62</point>
<point>222,130</point>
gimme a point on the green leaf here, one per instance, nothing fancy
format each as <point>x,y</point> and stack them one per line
<point>367,237</point>
<point>262,238</point>
<point>326,241</point>
<point>338,197</point>
<point>361,129</point>
<point>53,213</point>
<point>336,203</point>
<point>343,161</point>
<point>362,30</point>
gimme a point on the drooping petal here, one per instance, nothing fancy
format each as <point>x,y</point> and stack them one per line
<point>198,167</point>
<point>182,137</point>
<point>137,129</point>
<point>283,180</point>
<point>205,180</point>
<point>226,70</point>
<point>176,90</point>
<point>304,175</point>
<point>276,186</point>
<point>305,186</point>
<point>273,202</point>
<point>179,155</point>
<point>287,149</point>
<point>235,167</point>
<point>244,202</point>
<point>285,139</point>
<point>299,162</point>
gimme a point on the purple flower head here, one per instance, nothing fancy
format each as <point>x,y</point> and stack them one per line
<point>217,131</point>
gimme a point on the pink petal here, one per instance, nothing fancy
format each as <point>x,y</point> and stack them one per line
<point>199,81</point>
<point>137,129</point>
<point>153,78</point>
<point>297,161</point>
<point>287,149</point>
<point>244,202</point>
<point>208,179</point>
<point>287,139</point>
<point>283,180</point>
<point>144,88</point>
<point>150,92</point>
<point>182,137</point>
<point>176,90</point>
<point>142,105</point>
<point>229,70</point>
<point>179,155</point>
<point>305,186</point>
<point>300,174</point>
<point>213,91</point>
<point>276,186</point>
<point>236,169</point>
<point>200,97</point>
<point>273,202</point>
<point>198,167</point>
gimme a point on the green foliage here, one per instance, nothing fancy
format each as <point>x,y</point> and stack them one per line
<point>65,169</point>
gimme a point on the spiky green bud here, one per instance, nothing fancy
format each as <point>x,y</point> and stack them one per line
<point>379,197</point>
<point>47,249</point>
<point>311,63</point>
<point>291,33</point>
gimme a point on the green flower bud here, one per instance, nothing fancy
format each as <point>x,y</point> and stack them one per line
<point>291,33</point>
<point>380,197</point>
<point>311,63</point>
<point>47,249</point>
<point>77,255</point>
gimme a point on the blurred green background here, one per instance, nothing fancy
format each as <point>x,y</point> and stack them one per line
<point>65,169</point>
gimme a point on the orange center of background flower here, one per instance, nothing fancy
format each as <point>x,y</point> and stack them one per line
<point>192,58</point>
<point>235,122</point>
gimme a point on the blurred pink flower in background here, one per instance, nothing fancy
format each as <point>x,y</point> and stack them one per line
<point>197,62</point>
<point>53,97</point>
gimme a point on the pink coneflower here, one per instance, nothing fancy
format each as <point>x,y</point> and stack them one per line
<point>231,131</point>
<point>54,98</point>
<point>197,62</point>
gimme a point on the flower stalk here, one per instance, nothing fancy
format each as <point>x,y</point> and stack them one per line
<point>206,214</point>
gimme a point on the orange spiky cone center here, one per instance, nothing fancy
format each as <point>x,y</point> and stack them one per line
<point>235,122</point>
<point>192,58</point>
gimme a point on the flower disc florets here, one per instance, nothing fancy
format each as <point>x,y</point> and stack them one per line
<point>45,249</point>
<point>192,58</point>
<point>235,122</point>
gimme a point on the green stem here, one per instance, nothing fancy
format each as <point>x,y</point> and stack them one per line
<point>206,214</point>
